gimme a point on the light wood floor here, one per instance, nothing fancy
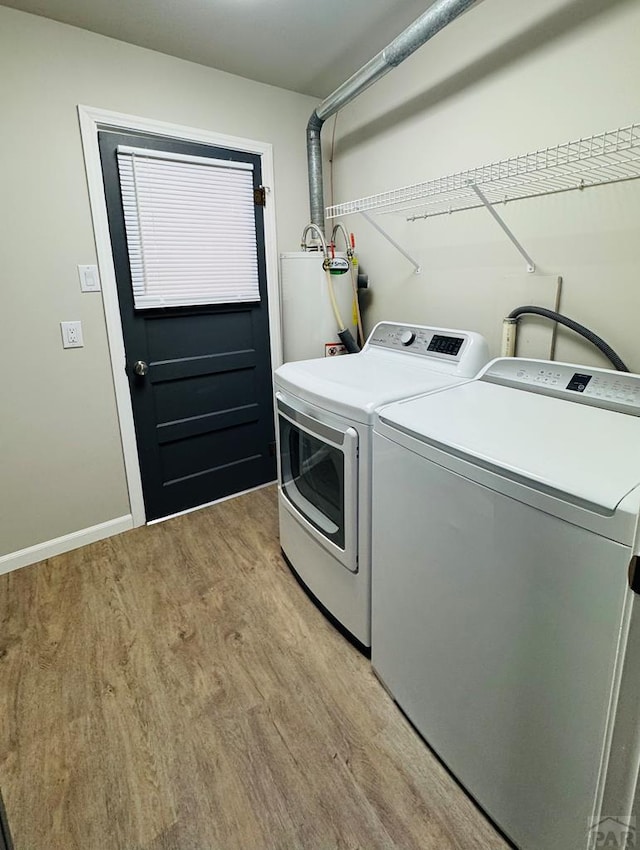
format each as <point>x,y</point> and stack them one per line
<point>173,688</point>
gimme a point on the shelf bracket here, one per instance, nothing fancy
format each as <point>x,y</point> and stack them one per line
<point>531,266</point>
<point>390,239</point>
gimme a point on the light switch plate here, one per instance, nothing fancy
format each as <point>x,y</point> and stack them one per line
<point>89,278</point>
<point>71,334</point>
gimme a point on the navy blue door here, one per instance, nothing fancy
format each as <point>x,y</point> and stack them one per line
<point>5,836</point>
<point>203,412</point>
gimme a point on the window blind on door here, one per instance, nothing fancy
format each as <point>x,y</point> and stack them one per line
<point>190,225</point>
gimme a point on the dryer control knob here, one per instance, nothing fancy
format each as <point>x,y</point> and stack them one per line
<point>407,337</point>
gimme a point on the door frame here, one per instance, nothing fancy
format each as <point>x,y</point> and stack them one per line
<point>91,121</point>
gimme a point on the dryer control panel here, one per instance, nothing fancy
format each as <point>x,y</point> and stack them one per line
<point>440,343</point>
<point>597,387</point>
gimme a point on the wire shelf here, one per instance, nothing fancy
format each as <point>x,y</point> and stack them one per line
<point>603,158</point>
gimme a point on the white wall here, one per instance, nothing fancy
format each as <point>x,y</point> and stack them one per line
<point>61,466</point>
<point>506,78</point>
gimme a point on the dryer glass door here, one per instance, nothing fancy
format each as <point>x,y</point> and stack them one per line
<point>318,476</point>
<point>316,473</point>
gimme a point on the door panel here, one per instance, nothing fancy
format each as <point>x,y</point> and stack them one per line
<point>201,394</point>
<point>239,443</point>
<point>196,335</point>
<point>203,412</point>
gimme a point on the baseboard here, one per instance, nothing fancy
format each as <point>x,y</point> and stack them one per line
<point>33,554</point>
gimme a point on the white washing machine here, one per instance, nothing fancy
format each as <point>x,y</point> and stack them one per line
<point>504,617</point>
<point>325,413</point>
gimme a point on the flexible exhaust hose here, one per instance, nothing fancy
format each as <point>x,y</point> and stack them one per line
<point>593,338</point>
<point>436,17</point>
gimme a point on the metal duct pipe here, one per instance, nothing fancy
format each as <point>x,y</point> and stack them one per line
<point>437,16</point>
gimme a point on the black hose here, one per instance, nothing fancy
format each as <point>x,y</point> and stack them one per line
<point>346,338</point>
<point>606,349</point>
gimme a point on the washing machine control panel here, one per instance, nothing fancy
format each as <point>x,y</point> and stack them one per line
<point>597,387</point>
<point>428,342</point>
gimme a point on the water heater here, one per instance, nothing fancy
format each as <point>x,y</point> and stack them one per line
<point>308,325</point>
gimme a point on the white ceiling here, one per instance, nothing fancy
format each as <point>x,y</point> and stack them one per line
<point>302,45</point>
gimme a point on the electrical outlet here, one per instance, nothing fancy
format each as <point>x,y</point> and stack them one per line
<point>71,334</point>
<point>89,278</point>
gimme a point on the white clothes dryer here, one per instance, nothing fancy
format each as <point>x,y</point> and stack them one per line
<point>325,411</point>
<point>505,617</point>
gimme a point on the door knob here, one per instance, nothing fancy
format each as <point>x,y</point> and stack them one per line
<point>140,367</point>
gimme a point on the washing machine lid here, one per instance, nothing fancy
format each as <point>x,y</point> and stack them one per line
<point>355,386</point>
<point>586,454</point>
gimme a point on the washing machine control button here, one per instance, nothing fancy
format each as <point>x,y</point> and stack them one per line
<point>407,337</point>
